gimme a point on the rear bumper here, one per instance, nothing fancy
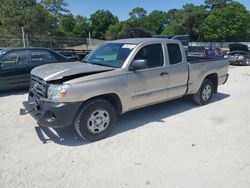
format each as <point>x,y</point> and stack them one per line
<point>52,114</point>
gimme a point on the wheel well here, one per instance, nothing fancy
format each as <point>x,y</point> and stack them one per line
<point>214,78</point>
<point>113,99</point>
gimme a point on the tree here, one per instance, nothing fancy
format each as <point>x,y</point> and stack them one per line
<point>216,3</point>
<point>38,21</point>
<point>156,21</point>
<point>66,24</point>
<point>100,22</point>
<point>81,27</point>
<point>137,13</point>
<point>137,18</point>
<point>117,31</point>
<point>55,7</point>
<point>229,23</point>
<point>187,21</point>
<point>15,14</point>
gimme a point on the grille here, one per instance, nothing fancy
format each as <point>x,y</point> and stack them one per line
<point>38,86</point>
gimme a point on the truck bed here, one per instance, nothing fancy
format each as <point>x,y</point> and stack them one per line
<point>199,67</point>
<point>196,59</point>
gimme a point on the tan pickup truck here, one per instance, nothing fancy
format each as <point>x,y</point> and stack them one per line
<point>117,77</point>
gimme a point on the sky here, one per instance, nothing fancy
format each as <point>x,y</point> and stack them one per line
<point>121,8</point>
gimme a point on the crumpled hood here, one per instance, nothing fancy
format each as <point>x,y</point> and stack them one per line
<point>58,71</point>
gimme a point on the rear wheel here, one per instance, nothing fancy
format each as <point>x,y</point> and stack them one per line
<point>205,93</point>
<point>95,119</point>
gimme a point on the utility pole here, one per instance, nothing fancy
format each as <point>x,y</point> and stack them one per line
<point>23,37</point>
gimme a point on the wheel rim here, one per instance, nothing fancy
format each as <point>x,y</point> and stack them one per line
<point>98,121</point>
<point>206,93</point>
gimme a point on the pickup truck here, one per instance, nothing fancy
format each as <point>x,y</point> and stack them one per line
<point>117,77</point>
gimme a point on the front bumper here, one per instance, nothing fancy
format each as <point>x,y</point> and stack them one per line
<point>51,114</point>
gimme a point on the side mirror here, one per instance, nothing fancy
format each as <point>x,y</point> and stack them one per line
<point>138,64</point>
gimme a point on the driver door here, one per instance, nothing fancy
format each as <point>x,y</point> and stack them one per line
<point>148,86</point>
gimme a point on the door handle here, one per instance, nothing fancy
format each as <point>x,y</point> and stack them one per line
<point>164,73</point>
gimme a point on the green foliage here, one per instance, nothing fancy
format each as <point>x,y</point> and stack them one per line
<point>66,24</point>
<point>81,27</point>
<point>229,23</point>
<point>156,21</point>
<point>137,18</point>
<point>216,20</point>
<point>186,21</point>
<point>15,14</point>
<point>38,21</point>
<point>55,7</point>
<point>100,22</point>
<point>137,13</point>
<point>73,26</point>
<point>117,31</point>
<point>216,3</point>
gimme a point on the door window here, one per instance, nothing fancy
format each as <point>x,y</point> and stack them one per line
<point>42,57</point>
<point>153,54</point>
<point>174,53</point>
<point>15,58</point>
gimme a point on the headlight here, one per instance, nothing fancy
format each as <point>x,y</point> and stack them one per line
<point>56,92</point>
<point>241,57</point>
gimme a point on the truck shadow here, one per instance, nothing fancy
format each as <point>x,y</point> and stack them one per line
<point>13,92</point>
<point>129,121</point>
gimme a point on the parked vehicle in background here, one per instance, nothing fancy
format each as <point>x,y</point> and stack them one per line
<point>239,54</point>
<point>196,51</point>
<point>17,63</point>
<point>204,51</point>
<point>239,58</point>
<point>73,54</point>
<point>117,77</point>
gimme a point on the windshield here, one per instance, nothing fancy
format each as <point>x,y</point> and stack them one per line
<point>110,54</point>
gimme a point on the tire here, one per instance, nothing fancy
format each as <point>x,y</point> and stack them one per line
<point>205,93</point>
<point>95,120</point>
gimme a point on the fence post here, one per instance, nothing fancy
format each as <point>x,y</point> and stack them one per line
<point>90,42</point>
<point>23,38</point>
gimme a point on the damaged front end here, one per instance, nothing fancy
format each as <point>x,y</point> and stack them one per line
<point>44,100</point>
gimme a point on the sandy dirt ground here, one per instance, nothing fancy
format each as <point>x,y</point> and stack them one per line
<point>173,144</point>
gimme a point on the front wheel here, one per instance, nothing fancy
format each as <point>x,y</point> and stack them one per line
<point>95,119</point>
<point>205,93</point>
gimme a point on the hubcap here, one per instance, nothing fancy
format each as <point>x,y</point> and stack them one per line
<point>98,121</point>
<point>206,93</point>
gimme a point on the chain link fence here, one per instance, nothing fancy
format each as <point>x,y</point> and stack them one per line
<point>48,41</point>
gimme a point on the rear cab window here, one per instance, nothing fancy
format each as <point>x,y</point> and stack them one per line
<point>174,53</point>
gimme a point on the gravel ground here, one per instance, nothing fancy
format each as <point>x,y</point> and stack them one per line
<point>173,144</point>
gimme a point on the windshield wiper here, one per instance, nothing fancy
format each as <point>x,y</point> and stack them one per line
<point>102,64</point>
<point>84,61</point>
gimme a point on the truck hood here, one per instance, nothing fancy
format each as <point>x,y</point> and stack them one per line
<point>67,71</point>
